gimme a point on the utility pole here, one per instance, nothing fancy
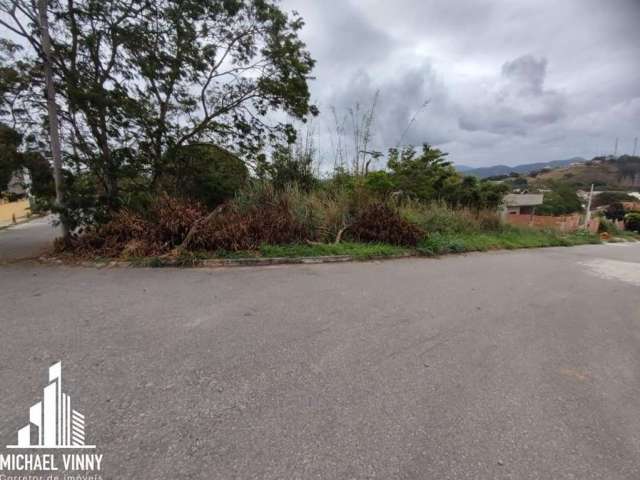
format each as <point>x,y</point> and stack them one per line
<point>615,150</point>
<point>54,128</point>
<point>635,146</point>
<point>587,217</point>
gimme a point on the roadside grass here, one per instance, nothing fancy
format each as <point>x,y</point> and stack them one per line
<point>433,245</point>
<point>359,251</point>
<point>510,238</point>
<point>627,236</point>
<point>356,250</point>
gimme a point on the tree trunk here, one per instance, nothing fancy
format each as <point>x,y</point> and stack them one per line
<point>54,130</point>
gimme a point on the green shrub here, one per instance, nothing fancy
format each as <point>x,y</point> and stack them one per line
<point>608,226</point>
<point>562,200</point>
<point>615,211</point>
<point>508,238</point>
<point>357,250</point>
<point>607,198</point>
<point>290,165</point>
<point>379,183</point>
<point>632,221</point>
<point>206,173</point>
<point>440,244</point>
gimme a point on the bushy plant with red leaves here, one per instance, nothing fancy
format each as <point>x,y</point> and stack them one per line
<point>131,234</point>
<point>262,216</point>
<point>233,229</point>
<point>378,222</point>
<point>110,239</point>
<point>174,217</point>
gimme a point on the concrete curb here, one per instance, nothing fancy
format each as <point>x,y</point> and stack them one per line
<point>256,262</point>
<point>224,262</point>
<point>158,262</point>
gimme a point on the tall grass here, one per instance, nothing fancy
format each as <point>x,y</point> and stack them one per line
<point>443,219</point>
<point>322,212</point>
<point>299,221</point>
<point>508,238</point>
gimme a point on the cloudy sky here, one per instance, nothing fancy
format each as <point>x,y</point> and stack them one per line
<point>509,81</point>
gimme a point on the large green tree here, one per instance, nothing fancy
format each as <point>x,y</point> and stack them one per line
<point>562,200</point>
<point>206,173</point>
<point>137,79</point>
<point>425,176</point>
<point>429,176</point>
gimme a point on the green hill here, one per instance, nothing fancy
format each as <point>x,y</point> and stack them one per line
<point>622,173</point>
<point>524,169</point>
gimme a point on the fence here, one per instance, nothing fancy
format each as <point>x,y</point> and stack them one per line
<point>563,223</point>
<point>11,210</point>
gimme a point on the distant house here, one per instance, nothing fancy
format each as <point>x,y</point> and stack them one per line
<point>18,185</point>
<point>521,203</point>
<point>14,202</point>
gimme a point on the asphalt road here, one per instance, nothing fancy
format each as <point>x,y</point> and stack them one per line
<point>509,365</point>
<point>27,240</point>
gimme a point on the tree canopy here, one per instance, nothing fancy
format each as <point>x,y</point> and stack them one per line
<point>429,176</point>
<point>562,200</point>
<point>137,79</point>
<point>205,173</point>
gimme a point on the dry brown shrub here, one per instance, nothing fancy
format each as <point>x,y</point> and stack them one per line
<point>175,217</point>
<point>129,234</point>
<point>380,223</point>
<point>233,230</point>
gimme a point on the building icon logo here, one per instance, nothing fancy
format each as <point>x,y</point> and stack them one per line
<point>52,422</point>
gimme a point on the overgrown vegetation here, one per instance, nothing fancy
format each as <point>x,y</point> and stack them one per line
<point>285,204</point>
<point>562,200</point>
<point>608,198</point>
<point>136,83</point>
<point>356,250</point>
<point>632,221</point>
<point>508,238</point>
<point>264,221</point>
<point>177,139</point>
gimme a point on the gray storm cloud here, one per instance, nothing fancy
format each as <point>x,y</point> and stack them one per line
<point>519,102</point>
<point>528,72</point>
<point>508,81</point>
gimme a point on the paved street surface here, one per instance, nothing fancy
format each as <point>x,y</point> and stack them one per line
<point>508,365</point>
<point>27,240</point>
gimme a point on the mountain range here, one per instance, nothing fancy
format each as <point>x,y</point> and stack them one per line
<point>524,169</point>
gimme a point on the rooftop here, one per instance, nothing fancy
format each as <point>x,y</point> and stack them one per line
<point>523,199</point>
